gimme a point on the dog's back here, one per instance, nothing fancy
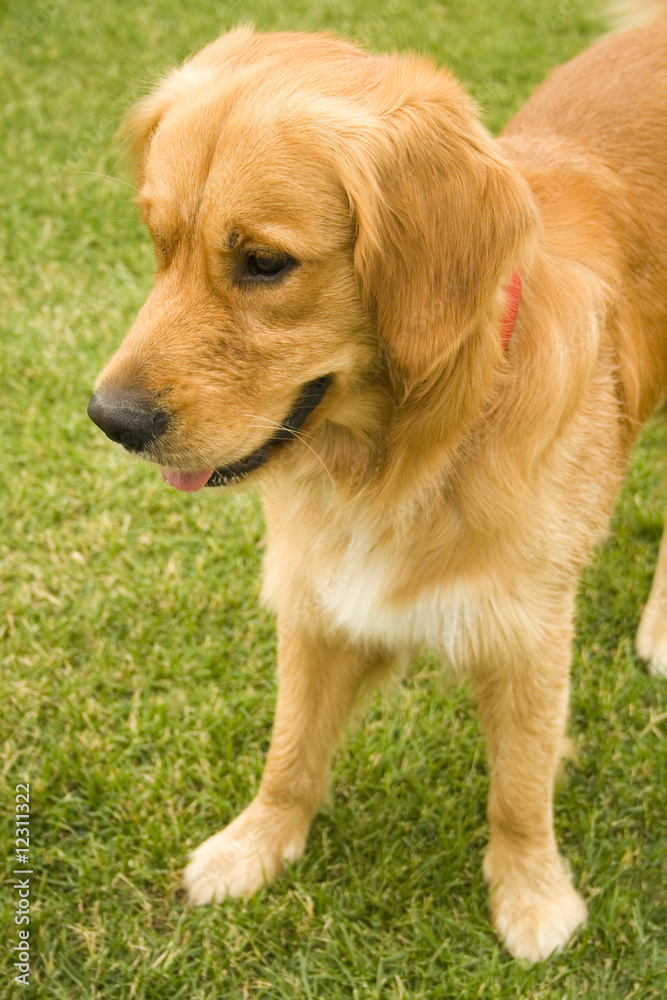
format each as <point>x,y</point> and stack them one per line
<point>599,124</point>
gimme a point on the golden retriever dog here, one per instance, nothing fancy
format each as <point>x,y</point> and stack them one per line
<point>431,351</point>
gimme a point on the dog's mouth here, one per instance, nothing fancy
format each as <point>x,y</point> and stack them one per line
<point>308,400</point>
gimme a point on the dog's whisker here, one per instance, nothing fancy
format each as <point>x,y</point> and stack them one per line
<point>276,425</point>
<point>106,177</point>
<point>301,438</point>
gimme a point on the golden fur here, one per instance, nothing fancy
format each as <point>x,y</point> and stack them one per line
<point>444,492</point>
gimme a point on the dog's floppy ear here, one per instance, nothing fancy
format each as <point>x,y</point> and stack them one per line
<point>139,126</point>
<point>142,120</point>
<point>196,77</point>
<point>442,218</point>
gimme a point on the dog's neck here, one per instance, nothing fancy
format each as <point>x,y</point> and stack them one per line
<point>513,296</point>
<point>358,459</point>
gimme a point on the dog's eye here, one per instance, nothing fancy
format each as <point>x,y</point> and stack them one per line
<point>267,267</point>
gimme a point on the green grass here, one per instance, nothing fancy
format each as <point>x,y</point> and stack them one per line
<point>137,669</point>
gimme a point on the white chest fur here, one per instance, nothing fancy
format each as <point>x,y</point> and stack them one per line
<point>358,594</point>
<point>360,588</point>
<point>443,620</point>
<point>464,621</point>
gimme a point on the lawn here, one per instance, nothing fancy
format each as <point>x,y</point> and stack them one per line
<point>137,681</point>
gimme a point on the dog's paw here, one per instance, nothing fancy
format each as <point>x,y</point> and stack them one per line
<point>242,858</point>
<point>651,641</point>
<point>536,918</point>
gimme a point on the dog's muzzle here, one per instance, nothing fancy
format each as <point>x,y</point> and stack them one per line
<point>136,424</point>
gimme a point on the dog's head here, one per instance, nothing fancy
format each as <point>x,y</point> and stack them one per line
<point>325,223</point>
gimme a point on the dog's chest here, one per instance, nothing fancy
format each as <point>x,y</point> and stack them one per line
<point>359,594</point>
<point>403,593</point>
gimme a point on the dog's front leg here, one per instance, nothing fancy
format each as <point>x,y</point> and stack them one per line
<point>523,707</point>
<point>319,681</point>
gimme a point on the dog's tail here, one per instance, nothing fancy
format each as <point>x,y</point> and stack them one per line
<point>626,14</point>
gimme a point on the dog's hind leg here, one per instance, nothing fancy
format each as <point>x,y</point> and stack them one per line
<point>319,682</point>
<point>651,641</point>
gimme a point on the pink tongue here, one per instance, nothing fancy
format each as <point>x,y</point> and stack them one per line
<point>189,482</point>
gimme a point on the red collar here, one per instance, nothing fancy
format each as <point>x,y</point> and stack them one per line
<point>513,296</point>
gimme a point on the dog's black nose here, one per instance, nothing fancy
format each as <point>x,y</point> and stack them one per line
<point>129,421</point>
